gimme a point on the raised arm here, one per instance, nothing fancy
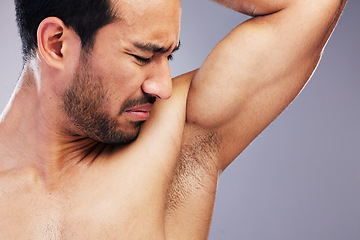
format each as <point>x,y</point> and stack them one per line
<point>254,73</point>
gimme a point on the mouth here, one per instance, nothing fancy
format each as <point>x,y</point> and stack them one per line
<point>141,112</point>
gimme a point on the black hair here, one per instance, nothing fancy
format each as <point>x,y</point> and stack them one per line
<point>85,17</point>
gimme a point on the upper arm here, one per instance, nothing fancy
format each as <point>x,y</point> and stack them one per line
<point>254,73</point>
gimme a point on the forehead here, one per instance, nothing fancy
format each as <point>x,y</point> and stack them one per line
<point>142,7</point>
<point>158,19</point>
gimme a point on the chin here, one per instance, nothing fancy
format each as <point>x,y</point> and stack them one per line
<point>118,136</point>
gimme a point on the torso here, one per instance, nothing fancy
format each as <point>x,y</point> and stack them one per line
<point>99,202</point>
<point>160,187</point>
<point>91,206</point>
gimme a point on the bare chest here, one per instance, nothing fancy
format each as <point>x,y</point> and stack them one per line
<point>27,211</point>
<point>113,203</point>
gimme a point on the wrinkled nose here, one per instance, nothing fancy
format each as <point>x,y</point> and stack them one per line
<point>158,82</point>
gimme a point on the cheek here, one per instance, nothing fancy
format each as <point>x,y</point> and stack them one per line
<point>114,70</point>
<point>125,78</point>
<point>121,79</point>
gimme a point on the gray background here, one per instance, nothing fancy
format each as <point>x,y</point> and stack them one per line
<point>300,179</point>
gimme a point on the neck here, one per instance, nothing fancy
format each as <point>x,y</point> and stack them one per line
<point>31,135</point>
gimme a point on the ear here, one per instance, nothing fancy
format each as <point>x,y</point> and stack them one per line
<point>53,39</point>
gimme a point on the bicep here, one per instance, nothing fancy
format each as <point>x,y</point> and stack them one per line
<point>255,72</point>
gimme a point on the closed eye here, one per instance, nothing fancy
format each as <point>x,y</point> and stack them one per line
<point>142,60</point>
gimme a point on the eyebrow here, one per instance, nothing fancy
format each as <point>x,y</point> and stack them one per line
<point>151,47</point>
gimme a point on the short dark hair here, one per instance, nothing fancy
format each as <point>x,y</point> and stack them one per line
<point>85,17</point>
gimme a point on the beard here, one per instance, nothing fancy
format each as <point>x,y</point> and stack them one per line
<point>84,102</point>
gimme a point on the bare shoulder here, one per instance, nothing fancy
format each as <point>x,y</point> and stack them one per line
<point>168,116</point>
<point>161,136</point>
<point>155,153</point>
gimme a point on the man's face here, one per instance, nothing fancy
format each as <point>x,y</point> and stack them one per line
<point>117,82</point>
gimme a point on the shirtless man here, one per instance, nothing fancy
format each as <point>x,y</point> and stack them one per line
<point>98,142</point>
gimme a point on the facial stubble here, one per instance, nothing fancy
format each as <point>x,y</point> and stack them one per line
<point>85,102</point>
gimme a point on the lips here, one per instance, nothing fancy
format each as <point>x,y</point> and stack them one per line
<point>141,112</point>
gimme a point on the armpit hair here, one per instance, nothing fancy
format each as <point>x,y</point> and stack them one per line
<point>197,164</point>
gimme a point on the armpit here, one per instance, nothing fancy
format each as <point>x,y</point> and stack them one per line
<point>197,169</point>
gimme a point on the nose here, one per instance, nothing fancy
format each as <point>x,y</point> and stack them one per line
<point>158,82</point>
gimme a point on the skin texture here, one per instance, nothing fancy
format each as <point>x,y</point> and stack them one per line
<point>84,103</point>
<point>72,184</point>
